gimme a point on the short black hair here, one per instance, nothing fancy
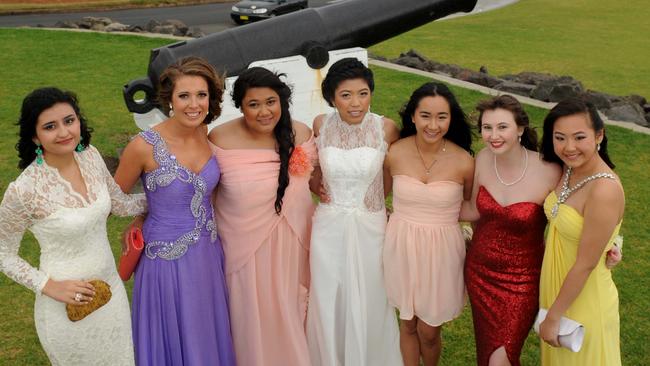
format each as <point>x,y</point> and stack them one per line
<point>345,69</point>
<point>33,105</point>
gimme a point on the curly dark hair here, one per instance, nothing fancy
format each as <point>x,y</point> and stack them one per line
<point>569,107</point>
<point>192,66</point>
<point>345,69</point>
<point>33,105</point>
<point>512,105</point>
<point>459,131</point>
<point>285,137</point>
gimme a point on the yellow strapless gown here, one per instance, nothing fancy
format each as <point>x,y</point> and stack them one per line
<point>597,305</point>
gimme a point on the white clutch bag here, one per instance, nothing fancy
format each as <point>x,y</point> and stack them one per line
<point>570,335</point>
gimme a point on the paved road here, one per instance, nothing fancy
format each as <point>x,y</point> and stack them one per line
<point>210,18</point>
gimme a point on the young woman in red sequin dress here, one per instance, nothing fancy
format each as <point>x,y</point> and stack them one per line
<point>503,262</point>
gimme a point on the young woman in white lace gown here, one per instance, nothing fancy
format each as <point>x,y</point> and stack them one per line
<point>349,321</point>
<point>64,196</point>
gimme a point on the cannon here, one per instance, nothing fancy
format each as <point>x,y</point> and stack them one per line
<point>311,33</point>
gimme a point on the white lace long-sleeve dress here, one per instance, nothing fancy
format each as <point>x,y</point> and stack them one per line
<point>71,232</point>
<point>349,320</point>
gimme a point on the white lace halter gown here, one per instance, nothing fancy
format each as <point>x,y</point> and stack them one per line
<point>349,320</point>
<point>71,232</point>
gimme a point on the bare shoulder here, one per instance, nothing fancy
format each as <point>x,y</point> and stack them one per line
<point>221,132</point>
<point>552,170</point>
<point>303,132</point>
<point>607,190</point>
<point>391,132</point>
<point>138,146</point>
<point>318,122</point>
<point>399,146</point>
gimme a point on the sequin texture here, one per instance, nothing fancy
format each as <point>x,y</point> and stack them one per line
<point>502,270</point>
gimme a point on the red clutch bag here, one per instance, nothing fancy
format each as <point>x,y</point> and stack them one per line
<point>130,257</point>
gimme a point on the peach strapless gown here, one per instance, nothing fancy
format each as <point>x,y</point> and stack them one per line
<point>267,256</point>
<point>424,251</point>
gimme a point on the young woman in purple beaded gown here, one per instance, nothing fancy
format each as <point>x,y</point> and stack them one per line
<point>180,301</point>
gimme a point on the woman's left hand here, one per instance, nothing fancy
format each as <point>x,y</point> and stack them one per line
<point>548,331</point>
<point>614,256</point>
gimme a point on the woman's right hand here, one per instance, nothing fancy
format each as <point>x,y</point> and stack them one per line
<point>69,291</point>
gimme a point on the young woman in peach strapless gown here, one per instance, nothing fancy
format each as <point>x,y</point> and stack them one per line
<point>263,217</point>
<point>432,170</point>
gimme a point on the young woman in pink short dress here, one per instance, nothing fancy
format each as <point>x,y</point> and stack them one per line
<point>432,170</point>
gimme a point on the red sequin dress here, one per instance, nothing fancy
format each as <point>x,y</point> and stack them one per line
<point>502,270</point>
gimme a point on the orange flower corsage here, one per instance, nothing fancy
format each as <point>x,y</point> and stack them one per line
<point>299,163</point>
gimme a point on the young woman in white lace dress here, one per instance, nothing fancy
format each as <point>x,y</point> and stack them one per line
<point>64,196</point>
<point>349,321</point>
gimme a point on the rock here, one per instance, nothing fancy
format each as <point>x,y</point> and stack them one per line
<point>66,24</point>
<point>181,28</point>
<point>602,101</point>
<point>151,25</point>
<point>450,70</point>
<point>98,20</point>
<point>646,108</point>
<point>528,77</point>
<point>98,27</point>
<point>647,118</point>
<point>557,89</point>
<point>628,112</point>
<point>638,99</point>
<point>483,69</point>
<point>416,54</point>
<point>478,78</point>
<point>164,29</point>
<point>409,61</point>
<point>196,32</point>
<point>116,27</point>
<point>515,87</point>
<point>135,29</point>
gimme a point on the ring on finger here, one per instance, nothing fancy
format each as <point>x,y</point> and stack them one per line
<point>78,297</point>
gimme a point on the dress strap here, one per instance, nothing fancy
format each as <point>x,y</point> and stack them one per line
<point>160,153</point>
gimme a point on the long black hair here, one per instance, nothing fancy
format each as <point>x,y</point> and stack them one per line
<point>569,107</point>
<point>33,105</point>
<point>459,131</point>
<point>285,137</point>
<point>512,105</point>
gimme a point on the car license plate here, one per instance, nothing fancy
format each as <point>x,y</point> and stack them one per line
<point>243,17</point>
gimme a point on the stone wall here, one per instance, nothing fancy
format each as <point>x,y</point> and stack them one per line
<point>540,86</point>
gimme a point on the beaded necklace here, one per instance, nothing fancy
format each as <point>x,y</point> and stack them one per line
<point>566,191</point>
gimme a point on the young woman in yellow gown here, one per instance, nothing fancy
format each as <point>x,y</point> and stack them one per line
<point>584,213</point>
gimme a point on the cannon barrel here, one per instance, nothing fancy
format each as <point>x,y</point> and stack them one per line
<point>310,33</point>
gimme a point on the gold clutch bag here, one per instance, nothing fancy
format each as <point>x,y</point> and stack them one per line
<point>102,296</point>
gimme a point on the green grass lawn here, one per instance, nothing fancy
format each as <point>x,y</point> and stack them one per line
<point>602,43</point>
<point>97,65</point>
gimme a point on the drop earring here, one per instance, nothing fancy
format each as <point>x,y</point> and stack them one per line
<point>171,110</point>
<point>520,139</point>
<point>80,147</point>
<point>598,146</point>
<point>39,155</point>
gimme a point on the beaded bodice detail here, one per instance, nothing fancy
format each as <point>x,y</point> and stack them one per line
<point>566,191</point>
<point>200,186</point>
<point>351,159</point>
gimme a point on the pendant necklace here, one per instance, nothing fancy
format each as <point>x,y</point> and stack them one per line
<point>427,170</point>
<point>523,173</point>
<point>565,191</point>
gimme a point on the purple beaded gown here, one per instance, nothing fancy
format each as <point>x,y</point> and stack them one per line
<point>180,300</point>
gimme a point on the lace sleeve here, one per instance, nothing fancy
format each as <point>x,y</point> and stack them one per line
<point>122,204</point>
<point>14,220</point>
